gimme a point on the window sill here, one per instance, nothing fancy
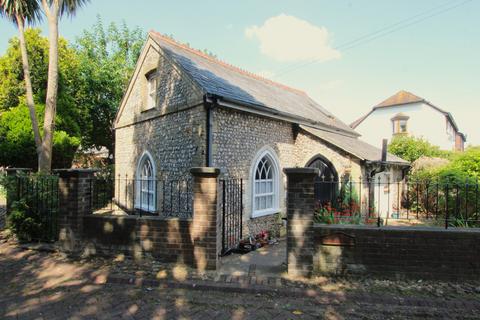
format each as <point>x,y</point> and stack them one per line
<point>263,213</point>
<point>148,109</point>
<point>145,210</point>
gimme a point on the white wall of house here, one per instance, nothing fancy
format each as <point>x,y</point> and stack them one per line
<point>424,122</point>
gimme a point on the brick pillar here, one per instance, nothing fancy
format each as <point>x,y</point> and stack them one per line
<point>300,211</point>
<point>12,185</point>
<point>74,201</point>
<point>206,229</point>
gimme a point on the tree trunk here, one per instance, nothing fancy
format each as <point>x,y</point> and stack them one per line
<point>28,87</point>
<point>45,161</point>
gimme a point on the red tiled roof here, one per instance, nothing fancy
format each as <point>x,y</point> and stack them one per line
<point>401,97</point>
<point>405,97</point>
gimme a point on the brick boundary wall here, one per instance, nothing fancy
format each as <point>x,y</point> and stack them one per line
<point>397,252</point>
<point>74,202</point>
<point>300,206</point>
<point>386,252</point>
<point>206,225</point>
<point>194,241</point>
<point>166,239</point>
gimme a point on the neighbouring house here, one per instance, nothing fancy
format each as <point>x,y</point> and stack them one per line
<point>185,109</point>
<point>92,157</point>
<point>407,114</point>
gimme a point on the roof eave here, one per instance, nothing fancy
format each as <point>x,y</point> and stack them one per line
<point>398,163</point>
<point>268,111</point>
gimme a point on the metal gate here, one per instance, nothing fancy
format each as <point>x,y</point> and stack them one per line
<point>232,212</point>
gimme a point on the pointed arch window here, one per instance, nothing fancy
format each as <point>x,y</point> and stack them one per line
<point>145,198</point>
<point>265,185</point>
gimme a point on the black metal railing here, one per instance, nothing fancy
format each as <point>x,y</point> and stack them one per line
<point>34,201</point>
<point>382,202</point>
<point>166,198</point>
<point>232,212</point>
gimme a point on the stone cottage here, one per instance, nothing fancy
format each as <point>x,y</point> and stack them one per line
<point>186,109</point>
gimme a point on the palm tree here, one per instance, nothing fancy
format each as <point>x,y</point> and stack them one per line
<point>53,9</point>
<point>28,11</point>
<point>23,12</point>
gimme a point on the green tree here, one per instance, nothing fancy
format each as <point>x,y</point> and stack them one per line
<point>22,12</point>
<point>12,88</point>
<point>17,145</point>
<point>93,74</point>
<point>411,148</point>
<point>107,58</point>
<point>465,164</point>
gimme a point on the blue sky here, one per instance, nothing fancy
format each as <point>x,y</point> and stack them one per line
<point>436,58</point>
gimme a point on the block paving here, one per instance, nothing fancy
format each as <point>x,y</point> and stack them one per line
<point>38,284</point>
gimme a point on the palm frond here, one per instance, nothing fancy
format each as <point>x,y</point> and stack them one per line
<point>28,10</point>
<point>70,7</point>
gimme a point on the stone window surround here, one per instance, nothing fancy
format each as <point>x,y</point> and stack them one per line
<point>271,154</point>
<point>151,93</point>
<point>146,156</point>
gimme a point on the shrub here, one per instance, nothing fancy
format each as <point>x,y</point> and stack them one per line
<point>17,146</point>
<point>24,223</point>
<point>34,199</point>
<point>453,186</point>
<point>467,163</point>
<point>411,148</point>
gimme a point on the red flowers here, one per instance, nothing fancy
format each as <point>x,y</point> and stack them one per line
<point>344,213</point>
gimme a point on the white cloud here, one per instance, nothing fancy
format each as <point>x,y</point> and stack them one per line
<point>287,38</point>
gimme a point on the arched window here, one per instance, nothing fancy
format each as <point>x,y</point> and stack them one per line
<point>265,185</point>
<point>145,184</point>
<point>326,183</point>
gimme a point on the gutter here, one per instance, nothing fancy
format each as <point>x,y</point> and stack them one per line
<point>383,163</point>
<point>268,112</point>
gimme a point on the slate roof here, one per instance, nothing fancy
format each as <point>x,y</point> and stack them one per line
<point>354,146</point>
<point>232,83</point>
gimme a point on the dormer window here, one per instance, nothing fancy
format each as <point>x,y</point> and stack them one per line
<point>152,77</point>
<point>399,122</point>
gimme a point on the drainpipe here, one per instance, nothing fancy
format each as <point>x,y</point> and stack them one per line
<point>383,165</point>
<point>209,125</point>
<point>383,162</point>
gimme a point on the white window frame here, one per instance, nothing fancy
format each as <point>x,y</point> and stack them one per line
<point>275,180</point>
<point>152,85</point>
<point>150,182</point>
<point>397,126</point>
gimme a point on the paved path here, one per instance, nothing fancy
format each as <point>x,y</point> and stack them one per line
<point>41,285</point>
<point>269,261</point>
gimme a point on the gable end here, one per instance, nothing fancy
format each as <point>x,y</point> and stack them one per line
<point>175,90</point>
